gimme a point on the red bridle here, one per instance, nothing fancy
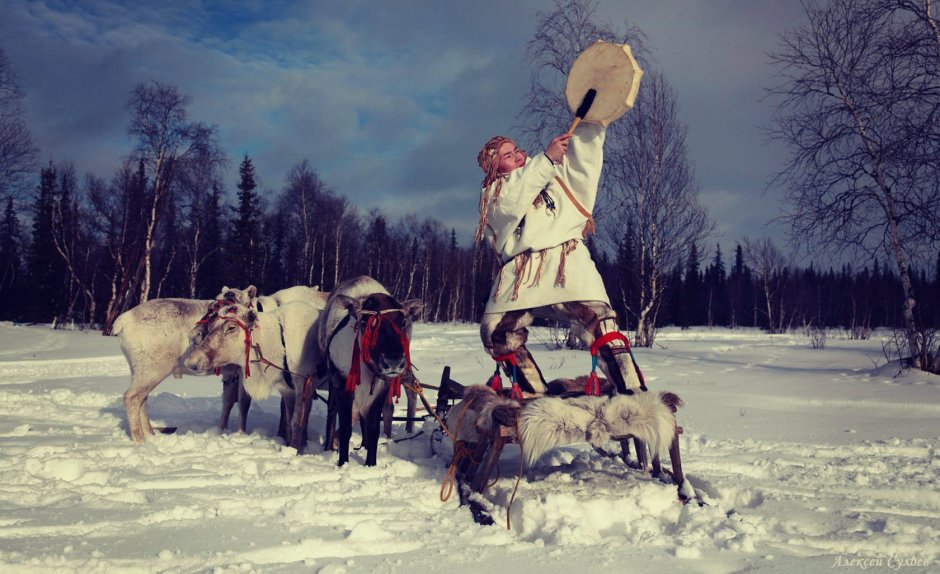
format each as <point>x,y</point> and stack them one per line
<point>364,345</point>
<point>213,313</point>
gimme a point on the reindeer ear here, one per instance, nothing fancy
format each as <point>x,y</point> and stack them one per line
<point>251,291</point>
<point>413,308</point>
<point>351,305</point>
<point>251,318</point>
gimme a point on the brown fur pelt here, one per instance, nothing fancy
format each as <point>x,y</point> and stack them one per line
<point>575,386</point>
<point>479,411</point>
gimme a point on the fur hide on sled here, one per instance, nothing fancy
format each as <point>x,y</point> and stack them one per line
<point>551,422</point>
<point>548,422</point>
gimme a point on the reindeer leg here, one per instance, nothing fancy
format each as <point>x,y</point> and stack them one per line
<point>135,402</point>
<point>371,424</point>
<point>625,451</point>
<point>282,422</point>
<point>229,398</point>
<point>329,441</point>
<point>388,410</point>
<point>412,410</point>
<point>657,470</point>
<point>244,403</point>
<point>345,424</point>
<point>301,417</point>
<point>467,467</point>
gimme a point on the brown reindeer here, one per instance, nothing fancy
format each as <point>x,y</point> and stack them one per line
<point>363,338</point>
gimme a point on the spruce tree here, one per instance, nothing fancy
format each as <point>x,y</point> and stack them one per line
<point>246,234</point>
<point>691,308</point>
<point>208,278</point>
<point>716,290</point>
<point>10,262</point>
<point>46,294</point>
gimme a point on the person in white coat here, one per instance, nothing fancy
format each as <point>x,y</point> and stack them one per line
<point>535,213</point>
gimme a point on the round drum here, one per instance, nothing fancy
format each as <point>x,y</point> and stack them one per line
<point>611,70</point>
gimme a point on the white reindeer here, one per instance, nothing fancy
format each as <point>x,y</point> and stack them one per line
<point>157,335</point>
<point>232,390</point>
<point>155,338</point>
<point>272,347</point>
<point>250,297</point>
<point>366,331</point>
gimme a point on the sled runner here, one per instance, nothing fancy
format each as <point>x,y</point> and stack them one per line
<point>481,421</point>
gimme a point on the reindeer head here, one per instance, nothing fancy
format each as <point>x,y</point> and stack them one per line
<point>226,339</point>
<point>247,296</point>
<point>383,328</point>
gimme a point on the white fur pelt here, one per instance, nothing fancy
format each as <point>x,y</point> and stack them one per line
<point>550,422</point>
<point>473,417</point>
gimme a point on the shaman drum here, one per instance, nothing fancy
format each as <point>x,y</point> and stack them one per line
<point>611,70</point>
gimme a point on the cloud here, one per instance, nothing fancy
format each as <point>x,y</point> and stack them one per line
<point>389,101</point>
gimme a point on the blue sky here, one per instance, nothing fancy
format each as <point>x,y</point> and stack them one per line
<point>388,100</point>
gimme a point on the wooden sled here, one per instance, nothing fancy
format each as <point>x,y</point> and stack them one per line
<point>473,463</point>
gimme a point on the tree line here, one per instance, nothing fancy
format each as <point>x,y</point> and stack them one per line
<point>80,259</point>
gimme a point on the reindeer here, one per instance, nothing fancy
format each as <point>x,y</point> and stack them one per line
<point>250,297</point>
<point>232,390</point>
<point>280,343</point>
<point>155,337</point>
<point>364,337</point>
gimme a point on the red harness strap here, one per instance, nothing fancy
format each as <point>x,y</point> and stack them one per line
<point>607,338</point>
<point>593,384</point>
<point>362,351</point>
<point>213,313</point>
<point>247,344</point>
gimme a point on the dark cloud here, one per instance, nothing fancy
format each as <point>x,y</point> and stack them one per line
<point>389,101</point>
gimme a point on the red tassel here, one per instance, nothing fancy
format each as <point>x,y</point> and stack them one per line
<point>394,389</point>
<point>352,379</point>
<point>515,393</point>
<point>593,385</point>
<point>495,382</point>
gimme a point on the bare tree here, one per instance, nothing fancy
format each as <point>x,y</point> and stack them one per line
<point>767,262</point>
<point>195,181</point>
<point>17,152</point>
<point>650,191</point>
<point>858,105</point>
<point>560,37</point>
<point>648,179</point>
<point>165,138</point>
<point>114,215</point>
<point>74,242</point>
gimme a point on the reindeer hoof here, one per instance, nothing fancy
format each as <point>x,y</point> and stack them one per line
<point>687,493</point>
<point>480,515</point>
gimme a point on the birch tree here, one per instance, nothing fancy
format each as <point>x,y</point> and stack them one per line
<point>858,106</point>
<point>165,137</point>
<point>648,186</point>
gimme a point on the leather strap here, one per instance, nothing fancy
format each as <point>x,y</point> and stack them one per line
<point>589,228</point>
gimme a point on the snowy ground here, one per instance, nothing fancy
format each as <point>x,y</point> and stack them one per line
<point>809,460</point>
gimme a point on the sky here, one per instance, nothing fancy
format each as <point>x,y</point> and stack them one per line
<point>389,101</point>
